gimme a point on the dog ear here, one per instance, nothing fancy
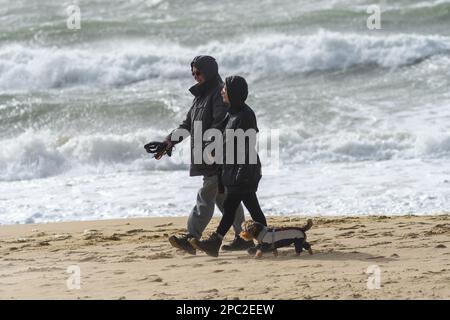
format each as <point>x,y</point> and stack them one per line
<point>245,235</point>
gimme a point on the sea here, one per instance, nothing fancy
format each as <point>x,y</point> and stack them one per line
<point>361,111</point>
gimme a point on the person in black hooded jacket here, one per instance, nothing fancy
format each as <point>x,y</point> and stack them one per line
<point>240,178</point>
<point>208,109</point>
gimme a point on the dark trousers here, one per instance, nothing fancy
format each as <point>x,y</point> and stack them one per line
<point>231,203</point>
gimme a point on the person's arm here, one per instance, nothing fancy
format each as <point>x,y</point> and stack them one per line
<point>219,119</point>
<point>185,126</point>
<point>248,121</point>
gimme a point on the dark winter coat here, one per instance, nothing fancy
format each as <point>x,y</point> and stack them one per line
<point>207,107</point>
<point>240,177</point>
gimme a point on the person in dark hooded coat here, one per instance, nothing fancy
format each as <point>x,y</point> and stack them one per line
<point>208,109</point>
<point>240,178</point>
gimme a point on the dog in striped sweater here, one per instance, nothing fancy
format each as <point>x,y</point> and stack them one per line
<point>270,238</point>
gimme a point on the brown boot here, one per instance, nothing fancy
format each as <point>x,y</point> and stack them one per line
<point>210,246</point>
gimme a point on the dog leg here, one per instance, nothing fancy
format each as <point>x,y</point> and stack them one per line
<point>298,244</point>
<point>275,252</point>
<point>258,254</point>
<point>307,246</point>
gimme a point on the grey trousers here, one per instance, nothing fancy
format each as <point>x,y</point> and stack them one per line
<point>203,211</point>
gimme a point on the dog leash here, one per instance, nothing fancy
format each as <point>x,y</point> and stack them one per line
<point>159,149</point>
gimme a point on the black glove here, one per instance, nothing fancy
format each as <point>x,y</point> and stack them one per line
<point>159,149</point>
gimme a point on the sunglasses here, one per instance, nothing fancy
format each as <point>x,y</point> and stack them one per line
<point>196,73</point>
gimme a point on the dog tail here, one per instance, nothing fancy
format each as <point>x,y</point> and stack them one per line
<point>307,226</point>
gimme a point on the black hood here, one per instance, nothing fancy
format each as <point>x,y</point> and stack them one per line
<point>207,65</point>
<point>237,90</point>
<point>209,68</point>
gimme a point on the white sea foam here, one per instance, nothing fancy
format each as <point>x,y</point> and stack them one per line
<point>259,56</point>
<point>387,187</point>
<point>43,154</point>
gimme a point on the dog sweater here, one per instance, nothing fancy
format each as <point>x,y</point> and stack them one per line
<point>273,238</point>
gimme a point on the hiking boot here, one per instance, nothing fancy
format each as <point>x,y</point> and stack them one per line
<point>210,246</point>
<point>238,244</point>
<point>182,242</point>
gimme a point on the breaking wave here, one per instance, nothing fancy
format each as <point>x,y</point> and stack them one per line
<point>260,56</point>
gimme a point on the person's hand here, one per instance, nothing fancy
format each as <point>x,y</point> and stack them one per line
<point>168,147</point>
<point>168,143</point>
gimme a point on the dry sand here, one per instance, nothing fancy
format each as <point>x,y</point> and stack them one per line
<point>132,259</point>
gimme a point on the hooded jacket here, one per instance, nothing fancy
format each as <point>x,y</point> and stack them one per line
<point>240,177</point>
<point>207,107</point>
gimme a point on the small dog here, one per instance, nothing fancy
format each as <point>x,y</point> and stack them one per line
<point>269,239</point>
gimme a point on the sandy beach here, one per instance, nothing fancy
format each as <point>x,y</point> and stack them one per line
<point>132,259</point>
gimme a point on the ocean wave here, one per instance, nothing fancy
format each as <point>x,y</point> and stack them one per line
<point>34,155</point>
<point>23,67</point>
<point>437,145</point>
<point>370,146</point>
<point>350,147</point>
<point>437,4</point>
<point>259,56</point>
